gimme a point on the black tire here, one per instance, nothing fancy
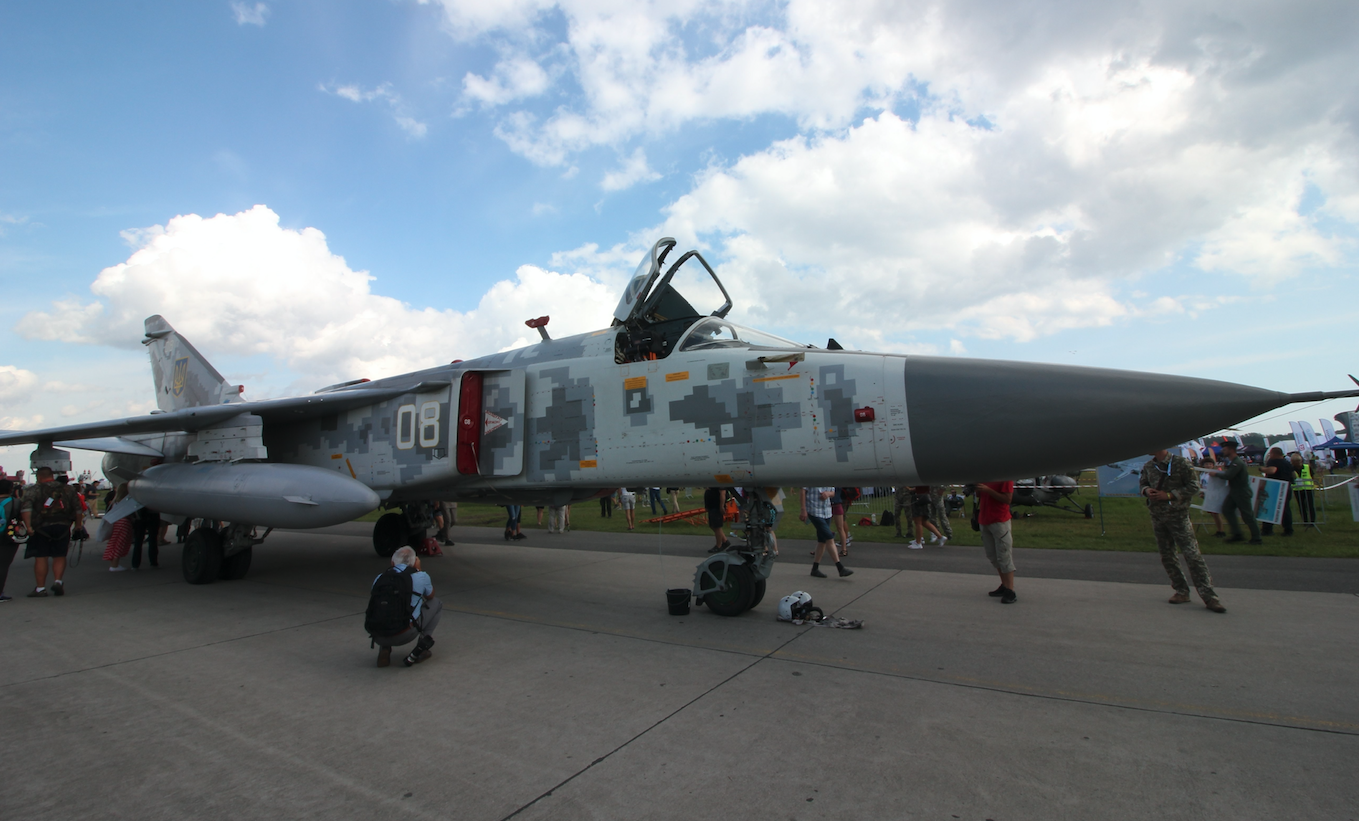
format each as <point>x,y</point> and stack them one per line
<point>236,566</point>
<point>1089,511</point>
<point>736,599</point>
<point>389,534</point>
<point>202,561</point>
<point>759,593</point>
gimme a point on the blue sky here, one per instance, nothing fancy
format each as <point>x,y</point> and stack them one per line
<point>1162,187</point>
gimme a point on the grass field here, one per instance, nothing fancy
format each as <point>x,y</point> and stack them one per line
<point>1125,526</point>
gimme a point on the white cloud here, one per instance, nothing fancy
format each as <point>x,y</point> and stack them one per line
<point>513,79</point>
<point>383,94</point>
<point>247,15</point>
<point>633,170</point>
<point>281,293</point>
<point>16,384</point>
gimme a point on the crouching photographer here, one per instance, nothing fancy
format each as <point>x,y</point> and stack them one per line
<point>402,608</point>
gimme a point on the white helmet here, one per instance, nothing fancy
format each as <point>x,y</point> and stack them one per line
<point>797,606</point>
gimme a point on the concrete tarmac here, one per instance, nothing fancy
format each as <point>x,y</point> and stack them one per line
<point>560,688</point>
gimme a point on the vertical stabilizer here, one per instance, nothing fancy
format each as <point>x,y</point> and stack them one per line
<point>184,379</point>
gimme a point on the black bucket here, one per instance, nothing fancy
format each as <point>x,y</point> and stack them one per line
<point>678,600</point>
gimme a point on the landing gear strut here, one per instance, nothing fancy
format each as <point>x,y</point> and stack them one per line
<point>734,581</point>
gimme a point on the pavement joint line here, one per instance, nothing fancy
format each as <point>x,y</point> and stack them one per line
<point>686,705</point>
<point>290,758</point>
<point>1096,700</point>
<point>657,723</point>
<point>99,667</point>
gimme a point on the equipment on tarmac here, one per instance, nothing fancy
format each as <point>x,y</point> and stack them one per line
<point>798,607</point>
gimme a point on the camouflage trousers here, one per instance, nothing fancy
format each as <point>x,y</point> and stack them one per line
<point>939,516</point>
<point>1175,536</point>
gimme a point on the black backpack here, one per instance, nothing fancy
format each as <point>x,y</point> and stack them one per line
<point>389,605</point>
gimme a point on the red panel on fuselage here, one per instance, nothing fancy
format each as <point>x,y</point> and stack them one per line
<point>469,424</point>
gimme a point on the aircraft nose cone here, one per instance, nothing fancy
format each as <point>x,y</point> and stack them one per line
<point>977,420</point>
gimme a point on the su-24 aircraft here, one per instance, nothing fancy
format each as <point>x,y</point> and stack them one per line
<point>671,393</point>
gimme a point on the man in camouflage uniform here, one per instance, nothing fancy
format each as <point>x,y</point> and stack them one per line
<point>1169,484</point>
<point>901,501</point>
<point>49,509</point>
<point>939,513</point>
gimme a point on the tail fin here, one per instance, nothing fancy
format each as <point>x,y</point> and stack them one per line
<point>184,379</point>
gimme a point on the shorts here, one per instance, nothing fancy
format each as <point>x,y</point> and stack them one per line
<point>920,506</point>
<point>49,542</point>
<point>837,509</point>
<point>999,546</point>
<point>716,519</point>
<point>627,502</point>
<point>823,531</point>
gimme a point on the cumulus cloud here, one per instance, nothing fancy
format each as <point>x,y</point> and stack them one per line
<point>512,79</point>
<point>16,384</point>
<point>281,292</point>
<point>382,94</point>
<point>248,15</point>
<point>990,170</point>
<point>633,170</point>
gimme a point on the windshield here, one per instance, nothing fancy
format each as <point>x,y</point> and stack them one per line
<point>636,285</point>
<point>710,333</point>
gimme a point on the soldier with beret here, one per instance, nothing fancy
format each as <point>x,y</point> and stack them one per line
<point>1168,482</point>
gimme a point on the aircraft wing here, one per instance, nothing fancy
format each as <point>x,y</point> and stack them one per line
<point>85,436</point>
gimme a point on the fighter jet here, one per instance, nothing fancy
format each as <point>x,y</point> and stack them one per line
<point>1050,491</point>
<point>671,393</point>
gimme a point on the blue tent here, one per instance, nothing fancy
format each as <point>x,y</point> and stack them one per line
<point>1337,443</point>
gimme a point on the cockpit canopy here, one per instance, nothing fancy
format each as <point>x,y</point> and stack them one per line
<point>688,290</point>
<point>680,309</point>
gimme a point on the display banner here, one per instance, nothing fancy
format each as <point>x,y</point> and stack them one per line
<point>1354,500</point>
<point>1214,493</point>
<point>1121,478</point>
<point>1270,496</point>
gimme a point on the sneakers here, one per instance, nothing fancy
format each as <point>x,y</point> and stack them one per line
<point>117,568</point>
<point>420,653</point>
<point>1231,539</point>
<point>845,571</point>
<point>1221,534</point>
<point>816,571</point>
<point>1008,597</point>
<point>58,589</point>
<point>384,656</point>
<point>4,598</point>
<point>943,540</point>
<point>1215,606</point>
<point>1179,598</point>
<point>916,546</point>
<point>38,593</point>
<point>997,592</point>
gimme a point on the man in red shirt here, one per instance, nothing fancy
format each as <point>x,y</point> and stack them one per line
<point>994,517</point>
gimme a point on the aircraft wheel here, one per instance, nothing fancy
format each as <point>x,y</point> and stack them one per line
<point>1089,511</point>
<point>736,599</point>
<point>389,533</point>
<point>235,567</point>
<point>202,560</point>
<point>760,585</point>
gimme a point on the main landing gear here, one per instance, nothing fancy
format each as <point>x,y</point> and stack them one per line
<point>406,528</point>
<point>212,552</point>
<point>733,581</point>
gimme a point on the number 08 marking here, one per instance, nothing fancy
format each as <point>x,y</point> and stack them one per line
<point>428,425</point>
